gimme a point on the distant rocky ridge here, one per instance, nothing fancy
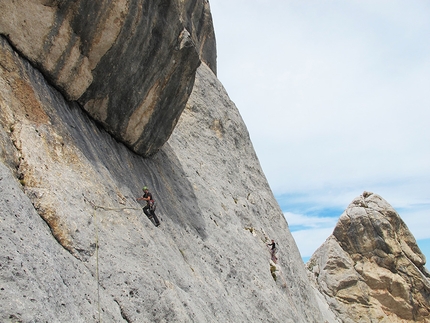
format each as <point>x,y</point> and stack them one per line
<point>371,269</point>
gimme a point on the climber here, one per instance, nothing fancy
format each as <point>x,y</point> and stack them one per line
<point>149,208</point>
<point>273,250</point>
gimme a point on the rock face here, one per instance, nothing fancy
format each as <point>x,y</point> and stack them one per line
<point>84,86</point>
<point>129,63</point>
<point>371,269</point>
<point>76,246</point>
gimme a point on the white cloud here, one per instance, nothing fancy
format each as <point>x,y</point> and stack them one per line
<point>314,231</point>
<point>335,97</point>
<point>310,232</point>
<point>310,240</point>
<point>301,220</point>
<point>418,221</point>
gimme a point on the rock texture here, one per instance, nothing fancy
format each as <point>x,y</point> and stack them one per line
<point>90,88</point>
<point>371,269</point>
<point>129,63</point>
<point>76,246</point>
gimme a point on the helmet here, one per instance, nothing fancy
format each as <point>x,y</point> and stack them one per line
<point>144,188</point>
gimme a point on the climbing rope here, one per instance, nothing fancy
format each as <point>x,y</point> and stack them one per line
<point>95,207</point>
<point>97,264</point>
<point>111,209</point>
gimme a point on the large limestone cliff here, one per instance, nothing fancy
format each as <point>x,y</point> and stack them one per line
<point>129,63</point>
<point>371,269</point>
<point>76,246</point>
<point>90,88</point>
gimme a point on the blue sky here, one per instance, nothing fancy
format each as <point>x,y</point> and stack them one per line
<point>335,95</point>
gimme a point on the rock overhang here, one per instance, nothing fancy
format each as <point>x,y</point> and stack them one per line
<point>130,64</point>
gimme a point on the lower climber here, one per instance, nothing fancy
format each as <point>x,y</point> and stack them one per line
<point>273,250</point>
<point>149,208</point>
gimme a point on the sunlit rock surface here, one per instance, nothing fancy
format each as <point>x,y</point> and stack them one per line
<point>90,88</point>
<point>371,269</point>
<point>76,246</point>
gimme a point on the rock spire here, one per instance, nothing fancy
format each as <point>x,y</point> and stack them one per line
<point>371,269</point>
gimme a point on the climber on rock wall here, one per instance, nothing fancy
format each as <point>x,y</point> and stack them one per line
<point>273,250</point>
<point>149,208</point>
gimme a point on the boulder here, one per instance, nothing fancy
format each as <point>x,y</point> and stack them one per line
<point>371,268</point>
<point>130,64</point>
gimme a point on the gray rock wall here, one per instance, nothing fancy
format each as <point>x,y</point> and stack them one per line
<point>39,280</point>
<point>76,246</point>
<point>130,63</point>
